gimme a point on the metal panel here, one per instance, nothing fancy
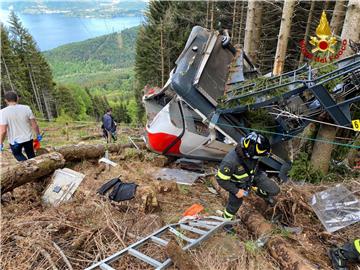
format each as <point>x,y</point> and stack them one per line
<point>330,105</point>
<point>214,76</point>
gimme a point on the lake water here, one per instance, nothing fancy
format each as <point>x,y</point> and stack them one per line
<point>53,30</point>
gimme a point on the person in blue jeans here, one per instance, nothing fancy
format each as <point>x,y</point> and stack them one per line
<point>18,122</point>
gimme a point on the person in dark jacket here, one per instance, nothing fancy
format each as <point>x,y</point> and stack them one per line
<point>348,253</point>
<point>109,126</point>
<point>239,173</point>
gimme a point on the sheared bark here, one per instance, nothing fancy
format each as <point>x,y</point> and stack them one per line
<point>30,170</point>
<point>279,249</point>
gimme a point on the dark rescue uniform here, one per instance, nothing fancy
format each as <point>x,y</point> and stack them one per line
<point>233,175</point>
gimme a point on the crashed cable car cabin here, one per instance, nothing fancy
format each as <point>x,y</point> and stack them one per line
<point>205,107</point>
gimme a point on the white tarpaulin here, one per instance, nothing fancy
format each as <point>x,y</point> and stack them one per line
<point>64,183</point>
<point>336,207</point>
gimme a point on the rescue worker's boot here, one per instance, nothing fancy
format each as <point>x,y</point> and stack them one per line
<point>350,252</point>
<point>337,259</point>
<point>270,200</point>
<point>228,228</point>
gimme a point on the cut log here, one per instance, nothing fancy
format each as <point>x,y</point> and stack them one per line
<point>30,170</point>
<point>288,257</point>
<point>88,151</point>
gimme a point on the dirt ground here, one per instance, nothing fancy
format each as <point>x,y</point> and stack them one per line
<point>90,227</point>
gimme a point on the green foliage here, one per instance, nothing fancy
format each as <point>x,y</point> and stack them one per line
<point>251,247</point>
<point>261,120</point>
<point>104,53</point>
<point>319,69</point>
<point>183,189</point>
<point>302,169</point>
<point>25,70</point>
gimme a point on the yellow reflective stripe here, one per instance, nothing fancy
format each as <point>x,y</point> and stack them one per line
<point>223,176</point>
<point>246,143</point>
<point>227,215</point>
<point>259,151</point>
<point>262,192</point>
<point>357,245</point>
<point>241,176</point>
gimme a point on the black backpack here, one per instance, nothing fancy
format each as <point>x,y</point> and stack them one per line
<point>120,191</point>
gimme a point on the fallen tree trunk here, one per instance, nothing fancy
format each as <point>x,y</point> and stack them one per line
<point>288,257</point>
<point>91,151</point>
<point>30,170</point>
<point>43,165</point>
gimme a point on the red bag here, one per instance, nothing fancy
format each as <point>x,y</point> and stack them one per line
<point>36,144</point>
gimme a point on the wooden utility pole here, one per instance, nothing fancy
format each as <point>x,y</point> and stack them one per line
<point>337,18</point>
<point>283,38</point>
<point>308,26</point>
<point>253,29</point>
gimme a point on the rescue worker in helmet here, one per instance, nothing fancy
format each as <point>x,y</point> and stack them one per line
<point>239,172</point>
<point>348,253</point>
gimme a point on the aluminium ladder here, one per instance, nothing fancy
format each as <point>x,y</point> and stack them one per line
<point>204,227</point>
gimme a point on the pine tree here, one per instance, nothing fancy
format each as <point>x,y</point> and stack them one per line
<point>12,71</point>
<point>38,73</point>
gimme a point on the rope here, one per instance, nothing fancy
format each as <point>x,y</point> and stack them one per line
<point>294,116</point>
<point>294,136</point>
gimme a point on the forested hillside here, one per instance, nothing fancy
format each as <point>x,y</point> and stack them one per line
<point>25,69</point>
<point>104,53</point>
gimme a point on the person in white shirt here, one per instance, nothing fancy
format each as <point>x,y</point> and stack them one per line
<point>18,121</point>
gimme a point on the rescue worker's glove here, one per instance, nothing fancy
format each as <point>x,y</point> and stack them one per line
<point>39,137</point>
<point>255,145</point>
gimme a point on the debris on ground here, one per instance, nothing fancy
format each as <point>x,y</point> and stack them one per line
<point>107,161</point>
<point>87,229</point>
<point>336,207</point>
<point>191,164</point>
<point>63,184</point>
<point>178,175</point>
<point>120,191</point>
